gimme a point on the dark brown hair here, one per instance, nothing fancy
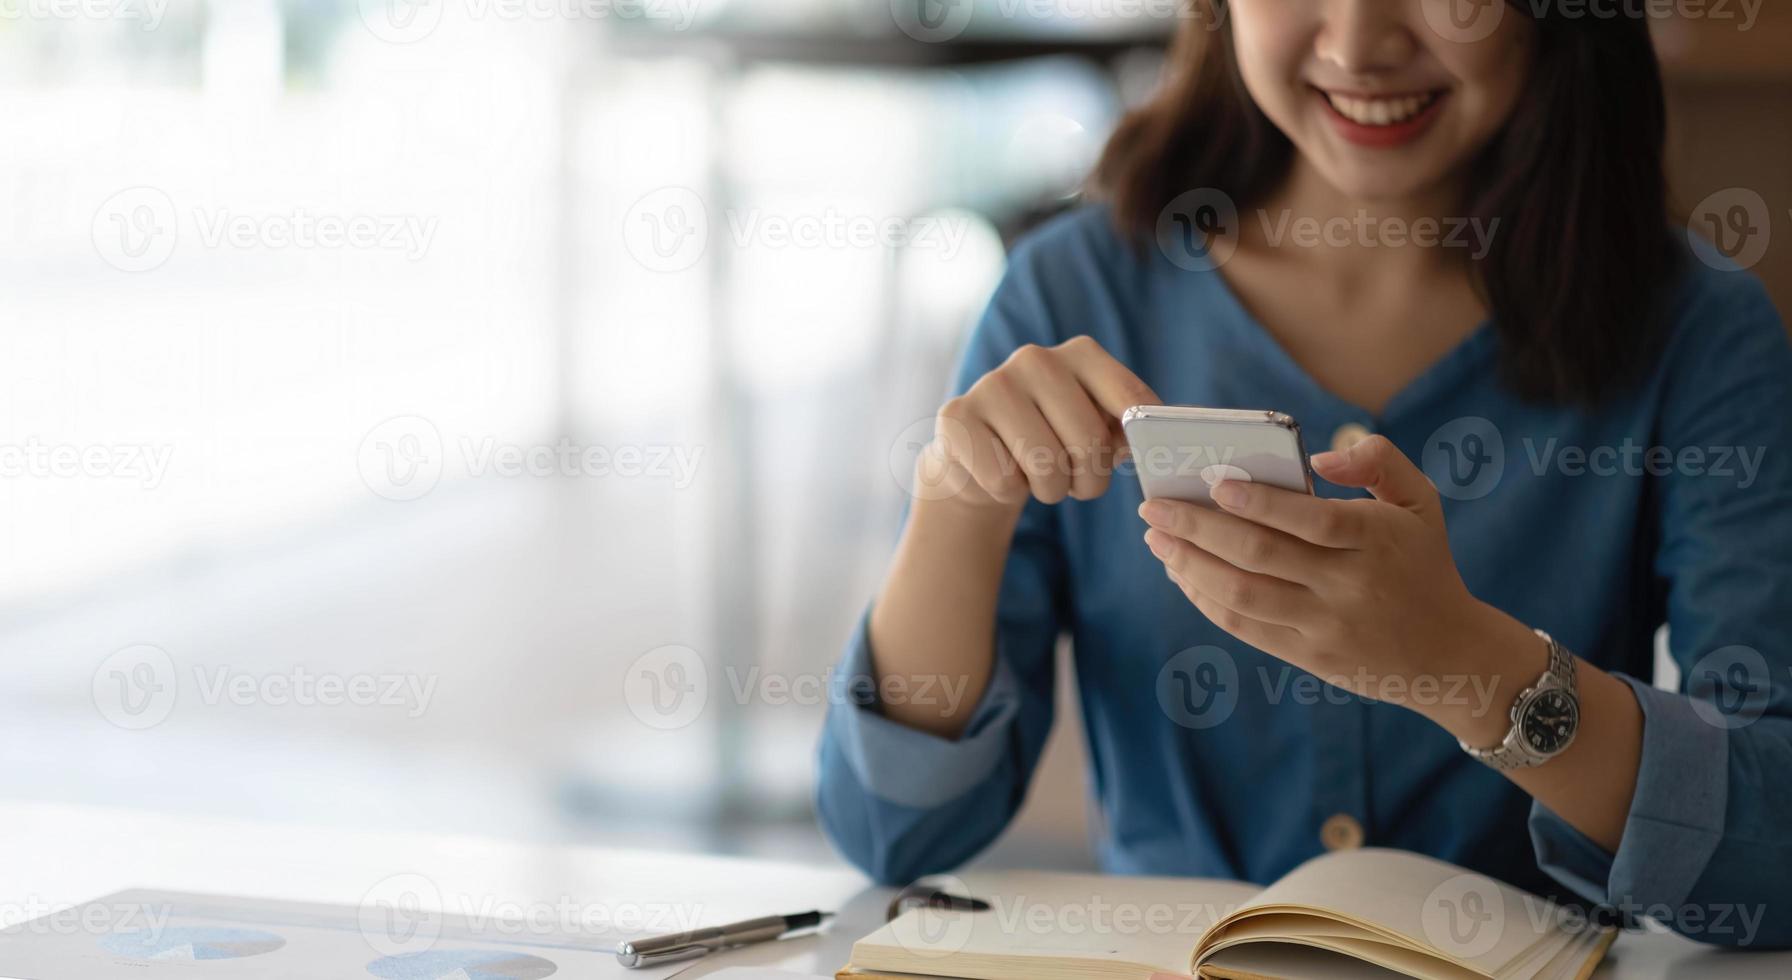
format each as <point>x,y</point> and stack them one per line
<point>1577,266</point>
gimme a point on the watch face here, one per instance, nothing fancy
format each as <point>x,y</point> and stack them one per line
<point>1549,721</point>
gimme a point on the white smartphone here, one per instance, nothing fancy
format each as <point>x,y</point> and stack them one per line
<point>1181,452</point>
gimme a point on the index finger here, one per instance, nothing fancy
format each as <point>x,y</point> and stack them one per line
<point>1113,387</point>
<point>1327,523</point>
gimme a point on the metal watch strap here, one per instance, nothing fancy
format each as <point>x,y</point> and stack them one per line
<point>1511,752</point>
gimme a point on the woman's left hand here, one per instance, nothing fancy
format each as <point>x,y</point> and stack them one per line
<point>1362,593</point>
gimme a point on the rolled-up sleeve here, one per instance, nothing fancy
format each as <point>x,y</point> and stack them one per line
<point>1706,849</point>
<point>901,803</point>
<point>906,766</point>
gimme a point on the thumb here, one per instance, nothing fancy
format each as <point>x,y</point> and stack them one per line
<point>1378,466</point>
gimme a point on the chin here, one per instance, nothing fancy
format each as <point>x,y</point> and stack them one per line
<point>1378,181</point>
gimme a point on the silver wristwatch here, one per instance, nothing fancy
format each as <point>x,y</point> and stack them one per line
<point>1545,717</point>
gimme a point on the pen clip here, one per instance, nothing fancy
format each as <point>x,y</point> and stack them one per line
<point>634,958</point>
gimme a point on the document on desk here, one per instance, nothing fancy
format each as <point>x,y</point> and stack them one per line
<point>156,935</point>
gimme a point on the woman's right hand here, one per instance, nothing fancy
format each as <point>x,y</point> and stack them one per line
<point>1044,425</point>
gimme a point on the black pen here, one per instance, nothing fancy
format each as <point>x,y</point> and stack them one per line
<point>702,942</point>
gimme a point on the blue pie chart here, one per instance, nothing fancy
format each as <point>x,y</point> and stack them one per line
<point>191,943</point>
<point>461,964</point>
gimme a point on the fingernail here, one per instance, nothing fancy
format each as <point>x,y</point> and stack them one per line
<point>1326,459</point>
<point>1155,512</point>
<point>1158,542</point>
<point>1229,493</point>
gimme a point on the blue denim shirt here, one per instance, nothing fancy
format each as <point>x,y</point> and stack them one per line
<point>1672,504</point>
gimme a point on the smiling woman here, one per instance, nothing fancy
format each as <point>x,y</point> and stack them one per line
<point>1516,130</point>
<point>1428,557</point>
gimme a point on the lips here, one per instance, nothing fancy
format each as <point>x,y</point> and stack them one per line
<point>1382,121</point>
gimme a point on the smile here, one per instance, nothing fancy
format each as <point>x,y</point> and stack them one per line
<point>1382,120</point>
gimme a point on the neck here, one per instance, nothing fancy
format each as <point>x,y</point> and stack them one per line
<point>1382,240</point>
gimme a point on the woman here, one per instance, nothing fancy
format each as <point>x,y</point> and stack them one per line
<point>1570,379</point>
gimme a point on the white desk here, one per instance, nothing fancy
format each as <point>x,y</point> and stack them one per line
<point>62,855</point>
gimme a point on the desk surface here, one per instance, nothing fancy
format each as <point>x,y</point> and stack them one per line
<point>56,855</point>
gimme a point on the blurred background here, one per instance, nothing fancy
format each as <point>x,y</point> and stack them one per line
<point>491,415</point>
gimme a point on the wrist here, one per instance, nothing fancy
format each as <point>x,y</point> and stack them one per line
<point>967,520</point>
<point>1500,657</point>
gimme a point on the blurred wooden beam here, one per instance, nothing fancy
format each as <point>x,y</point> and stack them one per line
<point>1717,47</point>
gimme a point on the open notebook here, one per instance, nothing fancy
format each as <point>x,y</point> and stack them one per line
<point>1352,915</point>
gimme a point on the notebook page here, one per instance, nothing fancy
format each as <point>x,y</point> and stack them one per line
<point>1485,924</point>
<point>1033,916</point>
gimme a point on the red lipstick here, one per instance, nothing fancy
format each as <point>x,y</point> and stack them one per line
<point>1383,137</point>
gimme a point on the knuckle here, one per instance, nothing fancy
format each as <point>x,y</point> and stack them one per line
<point>1050,490</point>
<point>1334,523</point>
<point>1008,486</point>
<point>1081,343</point>
<point>1376,447</point>
<point>1088,487</point>
<point>996,384</point>
<point>1226,619</point>
<point>1182,522</point>
<point>1257,548</point>
<point>1027,355</point>
<point>1238,592</point>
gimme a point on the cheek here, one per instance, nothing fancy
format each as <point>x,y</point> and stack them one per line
<point>1271,41</point>
<point>1493,74</point>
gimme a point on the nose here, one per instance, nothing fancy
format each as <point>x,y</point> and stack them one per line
<point>1363,37</point>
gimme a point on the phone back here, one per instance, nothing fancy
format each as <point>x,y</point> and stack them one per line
<point>1180,453</point>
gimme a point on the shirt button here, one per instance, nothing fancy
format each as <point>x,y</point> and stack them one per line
<point>1341,832</point>
<point>1348,434</point>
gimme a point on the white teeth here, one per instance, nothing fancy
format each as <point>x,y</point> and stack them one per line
<point>1380,112</point>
